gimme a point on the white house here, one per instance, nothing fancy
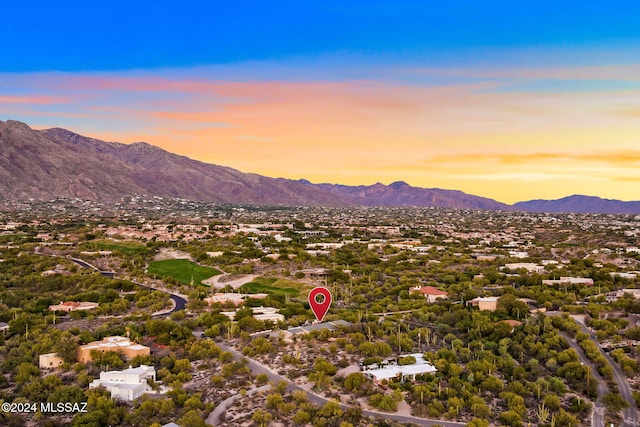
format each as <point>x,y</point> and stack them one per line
<point>128,384</point>
<point>401,372</point>
<point>529,266</point>
<point>569,281</point>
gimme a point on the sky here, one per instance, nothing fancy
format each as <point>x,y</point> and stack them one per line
<point>508,100</point>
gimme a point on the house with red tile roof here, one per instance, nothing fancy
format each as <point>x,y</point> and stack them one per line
<point>430,293</point>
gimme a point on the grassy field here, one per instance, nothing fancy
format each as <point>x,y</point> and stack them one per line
<point>276,286</point>
<point>182,270</point>
<point>124,246</point>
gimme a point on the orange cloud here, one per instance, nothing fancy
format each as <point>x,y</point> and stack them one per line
<point>453,136</point>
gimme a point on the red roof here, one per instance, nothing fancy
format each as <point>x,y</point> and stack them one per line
<point>71,304</point>
<point>430,290</point>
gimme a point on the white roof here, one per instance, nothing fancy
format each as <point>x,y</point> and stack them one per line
<point>420,367</point>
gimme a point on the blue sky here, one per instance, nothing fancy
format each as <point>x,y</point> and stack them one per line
<point>125,35</point>
<point>510,100</point>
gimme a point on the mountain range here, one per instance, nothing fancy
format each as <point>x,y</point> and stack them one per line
<point>57,163</point>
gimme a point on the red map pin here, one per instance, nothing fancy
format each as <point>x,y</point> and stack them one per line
<point>320,301</point>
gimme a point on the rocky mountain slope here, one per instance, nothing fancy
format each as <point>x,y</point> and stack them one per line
<point>56,163</point>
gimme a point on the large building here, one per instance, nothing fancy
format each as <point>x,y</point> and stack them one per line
<point>128,384</point>
<point>260,313</point>
<point>569,281</point>
<point>235,299</point>
<point>74,306</point>
<point>401,372</point>
<point>117,344</point>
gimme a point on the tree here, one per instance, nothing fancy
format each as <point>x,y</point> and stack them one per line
<point>192,419</point>
<point>511,418</point>
<point>26,372</point>
<point>355,381</point>
<point>614,402</point>
<point>261,418</point>
<point>67,347</point>
<point>302,417</point>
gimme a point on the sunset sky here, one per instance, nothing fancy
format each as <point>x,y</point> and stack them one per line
<point>508,100</point>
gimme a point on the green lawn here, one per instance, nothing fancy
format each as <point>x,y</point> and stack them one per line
<point>182,270</point>
<point>275,286</point>
<point>124,246</point>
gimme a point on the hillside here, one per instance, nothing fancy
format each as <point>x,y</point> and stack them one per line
<point>58,163</point>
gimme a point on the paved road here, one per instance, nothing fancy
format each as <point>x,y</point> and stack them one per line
<point>180,301</point>
<point>215,281</point>
<point>597,414</point>
<point>258,368</point>
<point>630,414</point>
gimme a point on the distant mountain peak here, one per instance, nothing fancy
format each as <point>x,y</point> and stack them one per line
<point>578,203</point>
<point>398,184</point>
<point>15,124</point>
<point>58,163</point>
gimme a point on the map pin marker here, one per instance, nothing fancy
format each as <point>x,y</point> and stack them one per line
<point>320,301</point>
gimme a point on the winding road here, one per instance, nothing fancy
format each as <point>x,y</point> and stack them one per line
<point>179,301</point>
<point>258,368</point>
<point>216,281</point>
<point>597,414</point>
<point>630,414</point>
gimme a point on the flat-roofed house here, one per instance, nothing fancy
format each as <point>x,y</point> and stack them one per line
<point>49,361</point>
<point>128,384</point>
<point>401,372</point>
<point>484,303</point>
<point>117,344</point>
<point>74,306</point>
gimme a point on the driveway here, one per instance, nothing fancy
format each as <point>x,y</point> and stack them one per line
<point>258,368</point>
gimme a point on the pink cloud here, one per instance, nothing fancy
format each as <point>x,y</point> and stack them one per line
<point>38,99</point>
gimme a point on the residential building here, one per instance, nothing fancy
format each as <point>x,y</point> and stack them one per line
<point>629,276</point>
<point>431,293</point>
<point>128,384</point>
<point>74,306</point>
<point>569,281</point>
<point>529,266</point>
<point>305,329</point>
<point>117,344</point>
<point>401,372</point>
<point>235,299</point>
<point>485,303</point>
<point>49,361</point>
<point>260,313</point>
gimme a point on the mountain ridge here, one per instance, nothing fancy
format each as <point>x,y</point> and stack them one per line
<point>578,203</point>
<point>56,162</point>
